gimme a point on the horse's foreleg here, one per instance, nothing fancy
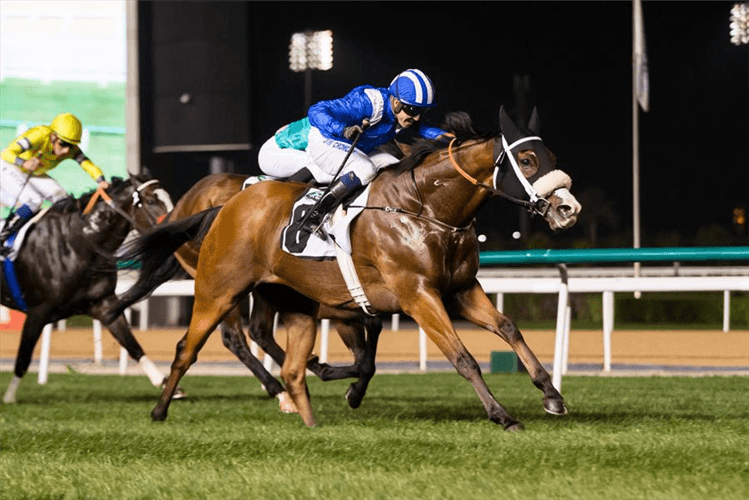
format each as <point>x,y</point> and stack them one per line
<point>234,339</point>
<point>364,355</point>
<point>353,337</point>
<point>429,312</point>
<point>302,330</point>
<point>475,306</point>
<point>261,328</point>
<point>32,330</point>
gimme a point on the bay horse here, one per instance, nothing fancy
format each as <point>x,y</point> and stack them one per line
<point>414,247</point>
<point>65,265</point>
<point>213,191</point>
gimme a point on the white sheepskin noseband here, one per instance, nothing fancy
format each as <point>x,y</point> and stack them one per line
<point>552,181</point>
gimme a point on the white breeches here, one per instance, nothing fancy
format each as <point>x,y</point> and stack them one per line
<point>34,193</point>
<point>323,158</point>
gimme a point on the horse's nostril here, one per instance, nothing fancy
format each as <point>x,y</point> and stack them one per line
<point>565,210</point>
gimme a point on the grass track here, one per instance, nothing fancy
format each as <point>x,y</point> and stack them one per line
<point>415,437</point>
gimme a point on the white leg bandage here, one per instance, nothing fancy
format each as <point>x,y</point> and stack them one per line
<point>154,375</point>
<point>10,394</point>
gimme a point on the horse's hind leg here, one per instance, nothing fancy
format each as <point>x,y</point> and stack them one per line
<point>120,330</point>
<point>475,306</point>
<point>302,330</point>
<point>208,311</point>
<point>234,339</point>
<point>32,330</point>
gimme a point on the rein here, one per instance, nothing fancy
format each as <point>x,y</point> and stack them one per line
<point>100,193</point>
<point>444,225</point>
<point>536,206</point>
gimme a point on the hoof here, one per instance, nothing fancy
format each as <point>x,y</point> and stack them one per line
<point>354,400</point>
<point>516,427</point>
<point>555,407</point>
<point>157,416</point>
<point>178,392</point>
<point>285,403</point>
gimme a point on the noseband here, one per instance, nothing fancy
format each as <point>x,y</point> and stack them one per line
<point>537,205</point>
<point>138,202</point>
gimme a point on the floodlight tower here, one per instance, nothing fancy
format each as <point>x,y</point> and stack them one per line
<point>307,51</point>
<point>739,29</point>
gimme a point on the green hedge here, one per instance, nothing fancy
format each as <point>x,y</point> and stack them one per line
<point>676,310</point>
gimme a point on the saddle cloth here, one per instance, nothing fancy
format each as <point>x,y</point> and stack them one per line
<point>337,226</point>
<point>337,244</point>
<point>15,241</point>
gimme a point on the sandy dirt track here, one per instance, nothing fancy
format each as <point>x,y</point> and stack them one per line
<point>677,348</point>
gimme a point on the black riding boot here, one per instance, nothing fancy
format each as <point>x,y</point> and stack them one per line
<point>339,190</point>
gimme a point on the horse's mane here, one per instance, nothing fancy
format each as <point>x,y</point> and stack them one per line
<point>458,123</point>
<point>71,204</point>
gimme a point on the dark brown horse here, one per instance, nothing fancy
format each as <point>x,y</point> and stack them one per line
<point>65,267</point>
<point>415,250</point>
<point>212,191</point>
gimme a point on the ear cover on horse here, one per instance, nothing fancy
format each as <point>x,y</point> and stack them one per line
<point>534,124</point>
<point>511,131</point>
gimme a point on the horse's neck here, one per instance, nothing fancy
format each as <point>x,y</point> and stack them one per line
<point>445,193</point>
<point>106,227</point>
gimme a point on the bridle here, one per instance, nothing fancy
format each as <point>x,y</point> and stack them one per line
<point>137,204</point>
<point>537,204</point>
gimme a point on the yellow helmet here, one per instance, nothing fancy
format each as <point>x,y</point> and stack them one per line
<point>67,127</point>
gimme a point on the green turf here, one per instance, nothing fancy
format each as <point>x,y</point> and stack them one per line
<point>415,437</point>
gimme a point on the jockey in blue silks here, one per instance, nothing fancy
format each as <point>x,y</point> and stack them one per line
<point>318,144</point>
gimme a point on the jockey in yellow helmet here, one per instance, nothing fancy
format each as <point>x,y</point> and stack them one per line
<point>26,161</point>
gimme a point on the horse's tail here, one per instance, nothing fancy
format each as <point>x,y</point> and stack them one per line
<point>154,250</point>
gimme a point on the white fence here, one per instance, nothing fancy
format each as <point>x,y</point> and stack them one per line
<point>607,286</point>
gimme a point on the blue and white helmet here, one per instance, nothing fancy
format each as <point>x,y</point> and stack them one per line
<point>413,87</point>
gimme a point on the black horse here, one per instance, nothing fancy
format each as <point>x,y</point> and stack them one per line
<point>66,266</point>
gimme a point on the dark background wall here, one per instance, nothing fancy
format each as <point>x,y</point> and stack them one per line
<point>195,88</point>
<point>572,59</point>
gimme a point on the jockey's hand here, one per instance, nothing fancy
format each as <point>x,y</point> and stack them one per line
<point>104,185</point>
<point>354,130</point>
<point>31,164</point>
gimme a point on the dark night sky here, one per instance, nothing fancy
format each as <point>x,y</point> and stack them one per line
<point>577,55</point>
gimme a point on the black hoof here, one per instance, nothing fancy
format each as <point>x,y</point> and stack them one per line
<point>515,427</point>
<point>158,416</point>
<point>353,398</point>
<point>555,407</point>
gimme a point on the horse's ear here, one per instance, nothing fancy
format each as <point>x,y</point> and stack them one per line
<point>507,126</point>
<point>534,125</point>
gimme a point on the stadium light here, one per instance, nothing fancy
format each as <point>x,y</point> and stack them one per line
<point>307,51</point>
<point>739,24</point>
